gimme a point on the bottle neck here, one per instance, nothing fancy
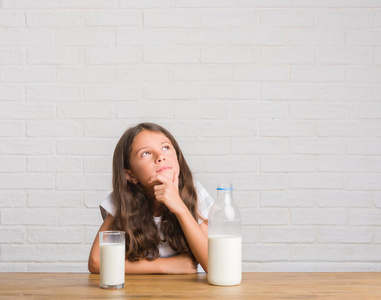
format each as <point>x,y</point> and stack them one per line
<point>224,196</point>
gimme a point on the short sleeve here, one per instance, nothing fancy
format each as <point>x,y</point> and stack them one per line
<point>107,206</point>
<point>205,201</point>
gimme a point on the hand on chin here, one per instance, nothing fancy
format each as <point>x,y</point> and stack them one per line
<point>168,174</point>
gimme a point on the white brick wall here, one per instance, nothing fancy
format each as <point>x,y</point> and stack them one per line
<point>280,97</point>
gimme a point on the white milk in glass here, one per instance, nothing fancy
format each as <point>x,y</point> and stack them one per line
<point>112,264</point>
<point>224,260</point>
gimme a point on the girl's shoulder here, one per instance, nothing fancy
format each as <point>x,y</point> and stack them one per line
<point>107,206</point>
<point>202,193</point>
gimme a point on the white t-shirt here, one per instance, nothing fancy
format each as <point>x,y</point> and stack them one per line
<point>205,202</point>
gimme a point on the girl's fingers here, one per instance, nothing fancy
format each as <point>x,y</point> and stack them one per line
<point>159,178</point>
<point>160,198</point>
<point>159,189</point>
<point>152,179</point>
<point>166,191</point>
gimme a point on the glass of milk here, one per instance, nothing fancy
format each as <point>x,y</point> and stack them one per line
<point>112,249</point>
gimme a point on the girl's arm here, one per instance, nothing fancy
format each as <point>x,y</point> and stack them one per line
<point>180,264</point>
<point>94,257</point>
<point>196,235</point>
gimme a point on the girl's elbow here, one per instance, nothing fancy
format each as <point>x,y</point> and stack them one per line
<point>93,266</point>
<point>206,269</point>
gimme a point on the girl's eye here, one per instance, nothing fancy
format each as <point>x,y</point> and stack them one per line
<point>145,153</point>
<point>165,147</point>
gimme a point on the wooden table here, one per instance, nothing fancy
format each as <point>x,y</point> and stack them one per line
<point>343,286</point>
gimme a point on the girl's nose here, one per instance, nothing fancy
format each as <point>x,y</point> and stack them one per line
<point>160,158</point>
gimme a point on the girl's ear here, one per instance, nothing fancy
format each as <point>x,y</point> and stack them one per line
<point>130,177</point>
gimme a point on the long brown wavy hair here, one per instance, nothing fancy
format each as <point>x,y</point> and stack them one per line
<point>134,207</point>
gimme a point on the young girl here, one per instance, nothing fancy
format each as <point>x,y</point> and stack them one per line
<point>156,202</point>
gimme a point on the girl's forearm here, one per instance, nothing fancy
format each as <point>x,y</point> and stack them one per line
<point>196,236</point>
<point>167,192</point>
<point>180,264</point>
<point>143,267</point>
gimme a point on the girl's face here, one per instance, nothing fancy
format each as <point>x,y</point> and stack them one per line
<point>152,153</point>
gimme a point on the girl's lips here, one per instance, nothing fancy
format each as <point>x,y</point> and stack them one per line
<point>163,169</point>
